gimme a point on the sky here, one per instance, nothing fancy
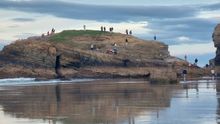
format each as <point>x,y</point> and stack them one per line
<point>185,25</point>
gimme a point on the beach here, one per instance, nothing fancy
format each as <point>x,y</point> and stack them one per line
<point>109,102</point>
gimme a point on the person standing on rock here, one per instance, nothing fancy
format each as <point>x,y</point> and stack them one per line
<point>126,31</point>
<point>196,61</point>
<point>130,32</point>
<point>185,57</point>
<point>155,37</point>
<point>53,31</point>
<point>84,27</point>
<point>42,35</point>
<point>126,42</point>
<point>101,28</point>
<point>92,47</point>
<point>213,74</point>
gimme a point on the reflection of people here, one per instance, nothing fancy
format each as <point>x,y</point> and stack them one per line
<point>57,89</point>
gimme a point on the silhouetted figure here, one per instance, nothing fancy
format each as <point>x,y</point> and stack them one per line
<point>126,31</point>
<point>111,29</point>
<point>42,35</point>
<point>196,61</point>
<point>104,29</point>
<point>125,62</point>
<point>155,37</point>
<point>126,41</point>
<point>130,32</point>
<point>84,27</point>
<point>185,57</point>
<point>207,65</point>
<point>53,31</point>
<point>184,74</point>
<point>48,33</point>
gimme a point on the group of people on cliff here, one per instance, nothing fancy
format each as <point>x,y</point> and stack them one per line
<point>103,29</point>
<point>48,33</point>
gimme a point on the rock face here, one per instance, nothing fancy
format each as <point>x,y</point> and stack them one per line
<point>37,57</point>
<point>216,39</point>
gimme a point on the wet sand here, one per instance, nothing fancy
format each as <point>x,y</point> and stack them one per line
<point>111,102</point>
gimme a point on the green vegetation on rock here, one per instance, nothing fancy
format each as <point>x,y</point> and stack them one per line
<point>68,34</point>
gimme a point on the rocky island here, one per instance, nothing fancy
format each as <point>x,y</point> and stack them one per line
<point>90,54</point>
<point>216,39</point>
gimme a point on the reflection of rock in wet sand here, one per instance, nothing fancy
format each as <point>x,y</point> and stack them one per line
<point>85,103</point>
<point>218,99</point>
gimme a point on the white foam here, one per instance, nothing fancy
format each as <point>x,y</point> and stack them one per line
<point>33,81</point>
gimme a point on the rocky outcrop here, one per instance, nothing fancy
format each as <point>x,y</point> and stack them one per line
<point>68,54</point>
<point>216,39</point>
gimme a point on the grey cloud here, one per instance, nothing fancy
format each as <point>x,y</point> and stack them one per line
<point>215,6</point>
<point>100,13</point>
<point>199,30</point>
<point>23,19</point>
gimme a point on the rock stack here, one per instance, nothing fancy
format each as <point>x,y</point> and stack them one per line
<point>216,39</point>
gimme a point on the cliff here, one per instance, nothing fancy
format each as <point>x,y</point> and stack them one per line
<point>216,39</point>
<point>69,54</point>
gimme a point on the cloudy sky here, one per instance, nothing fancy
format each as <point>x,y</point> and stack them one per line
<point>185,25</point>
